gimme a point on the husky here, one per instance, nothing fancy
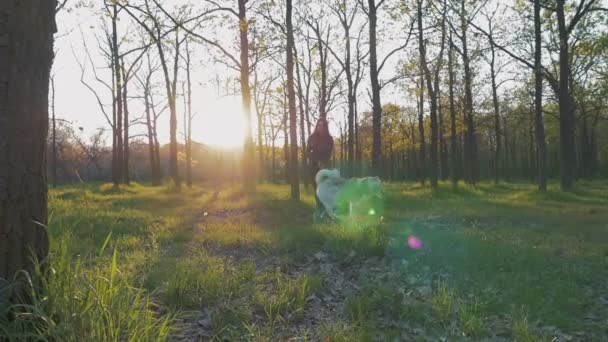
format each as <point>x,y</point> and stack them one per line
<point>352,198</point>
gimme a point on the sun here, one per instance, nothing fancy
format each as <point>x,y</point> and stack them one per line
<point>219,122</point>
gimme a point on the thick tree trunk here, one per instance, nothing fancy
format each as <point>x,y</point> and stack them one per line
<point>26,55</point>
<point>541,144</point>
<point>376,103</point>
<point>54,147</point>
<point>566,109</point>
<point>293,172</point>
<point>248,179</point>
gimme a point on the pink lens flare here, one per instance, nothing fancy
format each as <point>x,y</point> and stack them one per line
<point>414,242</point>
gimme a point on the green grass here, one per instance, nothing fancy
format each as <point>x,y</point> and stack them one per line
<point>145,263</point>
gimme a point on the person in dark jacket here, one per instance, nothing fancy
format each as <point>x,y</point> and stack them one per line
<point>320,146</point>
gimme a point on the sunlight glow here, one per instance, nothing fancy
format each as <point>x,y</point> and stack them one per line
<point>221,122</point>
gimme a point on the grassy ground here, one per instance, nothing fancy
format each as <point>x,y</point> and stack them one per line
<point>498,262</point>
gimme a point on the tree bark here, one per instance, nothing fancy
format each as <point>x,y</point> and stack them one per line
<point>455,152</point>
<point>566,109</point>
<point>541,144</point>
<point>293,174</point>
<point>422,142</point>
<point>26,52</point>
<point>54,147</point>
<point>286,134</point>
<point>118,177</point>
<point>125,161</point>
<point>497,132</point>
<point>249,150</point>
<point>471,158</point>
<point>432,82</point>
<point>188,121</point>
<point>375,84</point>
<point>151,145</point>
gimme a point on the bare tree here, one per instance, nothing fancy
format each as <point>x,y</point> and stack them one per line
<point>145,82</point>
<point>455,151</point>
<point>293,172</point>
<point>372,10</point>
<point>156,32</point>
<point>346,17</point>
<point>188,117</point>
<point>539,125</point>
<point>432,82</point>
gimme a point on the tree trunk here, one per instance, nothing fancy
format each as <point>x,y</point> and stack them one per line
<point>375,84</point>
<point>118,172</point>
<point>455,153</point>
<point>151,145</point>
<point>346,24</point>
<point>302,116</point>
<point>432,82</point>
<point>274,158</point>
<point>188,121</point>
<point>532,156</point>
<point>293,172</point>
<point>497,134</point>
<point>357,169</point>
<point>471,159</point>
<point>566,109</point>
<point>541,144</point>
<point>505,159</point>
<point>54,156</point>
<point>125,161</point>
<point>156,166</point>
<point>159,171</point>
<point>260,120</point>
<point>170,89</point>
<point>26,52</point>
<point>248,180</point>
<point>422,142</point>
<point>443,153</point>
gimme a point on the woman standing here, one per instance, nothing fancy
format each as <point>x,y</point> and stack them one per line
<point>320,147</point>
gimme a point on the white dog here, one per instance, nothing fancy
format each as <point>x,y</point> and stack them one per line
<point>352,197</point>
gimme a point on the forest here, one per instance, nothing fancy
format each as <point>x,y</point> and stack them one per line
<point>158,162</point>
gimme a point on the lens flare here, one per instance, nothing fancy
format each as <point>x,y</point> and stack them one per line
<point>414,242</point>
<point>371,212</point>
